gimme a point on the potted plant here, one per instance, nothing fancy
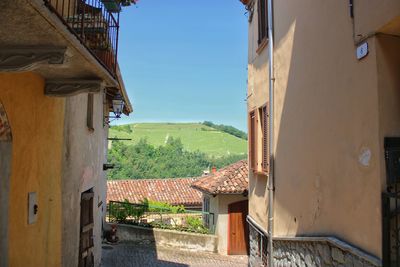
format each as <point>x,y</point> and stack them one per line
<point>114,6</point>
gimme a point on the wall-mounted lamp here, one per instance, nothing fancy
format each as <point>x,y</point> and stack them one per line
<point>118,105</point>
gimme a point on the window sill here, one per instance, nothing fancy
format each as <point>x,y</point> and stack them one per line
<point>262,45</point>
<point>258,172</point>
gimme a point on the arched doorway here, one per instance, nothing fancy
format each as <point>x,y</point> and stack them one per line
<point>5,171</point>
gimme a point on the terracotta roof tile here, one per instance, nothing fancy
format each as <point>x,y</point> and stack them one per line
<point>233,179</point>
<point>177,191</point>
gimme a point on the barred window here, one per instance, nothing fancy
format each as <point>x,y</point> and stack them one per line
<point>206,210</point>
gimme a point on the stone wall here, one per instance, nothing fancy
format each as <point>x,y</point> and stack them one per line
<point>256,243</point>
<point>307,252</point>
<point>169,238</point>
<point>303,253</point>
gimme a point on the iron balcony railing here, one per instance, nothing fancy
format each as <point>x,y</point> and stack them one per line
<point>94,25</point>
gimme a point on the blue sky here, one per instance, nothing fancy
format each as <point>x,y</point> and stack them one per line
<point>185,61</point>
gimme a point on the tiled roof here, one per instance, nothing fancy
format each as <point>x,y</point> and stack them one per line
<point>176,191</point>
<point>232,179</point>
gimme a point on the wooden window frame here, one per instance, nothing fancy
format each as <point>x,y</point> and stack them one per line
<point>265,130</point>
<point>262,12</point>
<point>253,155</point>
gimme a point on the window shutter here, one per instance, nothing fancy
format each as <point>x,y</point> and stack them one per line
<point>265,130</point>
<point>252,140</point>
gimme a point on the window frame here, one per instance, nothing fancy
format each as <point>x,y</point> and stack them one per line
<point>262,11</point>
<point>206,211</point>
<point>90,112</point>
<point>262,18</point>
<point>265,132</point>
<point>252,140</point>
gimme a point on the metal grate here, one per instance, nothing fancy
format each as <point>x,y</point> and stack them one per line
<point>259,248</point>
<point>264,250</point>
<point>94,25</point>
<point>391,205</point>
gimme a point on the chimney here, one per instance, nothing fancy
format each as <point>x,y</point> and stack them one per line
<point>213,169</point>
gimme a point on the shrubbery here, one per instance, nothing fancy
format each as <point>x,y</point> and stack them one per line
<point>135,214</point>
<point>227,129</point>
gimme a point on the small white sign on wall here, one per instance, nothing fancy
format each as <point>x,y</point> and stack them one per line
<point>362,50</point>
<point>32,207</point>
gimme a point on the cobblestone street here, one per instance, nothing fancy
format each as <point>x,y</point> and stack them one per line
<point>139,254</point>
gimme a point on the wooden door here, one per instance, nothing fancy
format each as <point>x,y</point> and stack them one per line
<point>86,258</point>
<point>238,231</point>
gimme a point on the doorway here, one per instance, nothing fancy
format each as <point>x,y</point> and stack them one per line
<point>5,174</point>
<point>86,246</point>
<point>238,231</point>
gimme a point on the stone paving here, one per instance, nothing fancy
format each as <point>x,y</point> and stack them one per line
<point>141,254</point>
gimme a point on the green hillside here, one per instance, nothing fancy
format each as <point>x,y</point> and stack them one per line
<point>194,136</point>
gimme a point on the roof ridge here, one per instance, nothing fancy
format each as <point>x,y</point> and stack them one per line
<point>154,179</point>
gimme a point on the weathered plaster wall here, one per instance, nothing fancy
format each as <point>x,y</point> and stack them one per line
<point>327,137</point>
<point>84,155</point>
<point>219,206</point>
<point>37,125</point>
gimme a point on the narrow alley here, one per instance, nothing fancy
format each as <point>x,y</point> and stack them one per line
<point>131,254</point>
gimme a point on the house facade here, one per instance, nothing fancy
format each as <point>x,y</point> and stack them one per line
<point>58,80</point>
<point>225,206</point>
<point>333,132</point>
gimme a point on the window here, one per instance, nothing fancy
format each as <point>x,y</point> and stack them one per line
<point>89,119</point>
<point>264,114</point>
<point>262,21</point>
<point>259,139</point>
<point>253,141</point>
<point>206,210</point>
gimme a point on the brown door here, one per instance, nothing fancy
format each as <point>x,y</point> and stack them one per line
<point>238,233</point>
<point>86,258</point>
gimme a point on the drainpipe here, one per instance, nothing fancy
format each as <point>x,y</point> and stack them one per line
<point>271,135</point>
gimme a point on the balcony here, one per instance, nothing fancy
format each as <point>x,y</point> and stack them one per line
<point>94,24</point>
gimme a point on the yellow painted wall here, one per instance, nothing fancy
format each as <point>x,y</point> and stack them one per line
<point>37,123</point>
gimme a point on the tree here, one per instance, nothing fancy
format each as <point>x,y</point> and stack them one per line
<point>143,160</point>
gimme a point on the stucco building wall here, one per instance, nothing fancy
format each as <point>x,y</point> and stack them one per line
<point>37,124</point>
<point>331,114</point>
<point>219,206</point>
<point>84,155</point>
